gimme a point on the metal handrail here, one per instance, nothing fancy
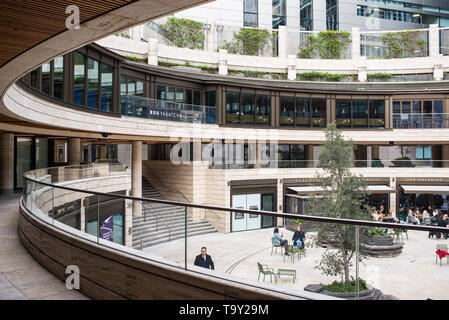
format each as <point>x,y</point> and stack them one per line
<point>322,219</point>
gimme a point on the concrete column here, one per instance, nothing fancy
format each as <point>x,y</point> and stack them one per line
<point>83,215</point>
<point>6,162</point>
<point>355,44</point>
<point>434,41</point>
<point>136,33</point>
<point>393,198</point>
<point>223,62</point>
<point>280,202</point>
<point>445,155</point>
<point>362,69</point>
<point>309,156</point>
<point>152,52</point>
<point>210,38</point>
<point>438,72</point>
<point>282,44</point>
<point>291,69</point>
<point>74,145</point>
<point>136,176</point>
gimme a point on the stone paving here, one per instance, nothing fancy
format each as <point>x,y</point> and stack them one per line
<point>412,275</point>
<point>21,277</point>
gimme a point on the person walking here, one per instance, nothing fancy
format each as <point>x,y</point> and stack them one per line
<point>204,260</point>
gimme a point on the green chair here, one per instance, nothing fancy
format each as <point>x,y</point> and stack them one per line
<point>441,246</point>
<point>275,246</point>
<point>292,251</point>
<point>263,269</point>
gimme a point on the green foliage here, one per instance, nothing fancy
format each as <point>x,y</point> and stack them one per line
<point>187,64</point>
<point>135,59</point>
<point>404,44</point>
<point>326,45</point>
<point>184,33</point>
<point>258,74</point>
<point>344,199</point>
<point>345,286</point>
<point>321,76</point>
<point>298,221</point>
<point>248,41</point>
<point>379,76</point>
<point>376,232</point>
<point>123,35</point>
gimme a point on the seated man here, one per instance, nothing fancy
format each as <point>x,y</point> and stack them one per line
<point>411,217</point>
<point>299,238</point>
<point>443,222</point>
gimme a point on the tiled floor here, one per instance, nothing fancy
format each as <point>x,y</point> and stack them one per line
<point>21,277</point>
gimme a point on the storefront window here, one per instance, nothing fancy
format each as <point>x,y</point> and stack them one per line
<point>263,110</point>
<point>247,108</point>
<point>79,78</point>
<point>92,83</point>
<point>46,78</point>
<point>302,112</point>
<point>343,113</point>
<point>58,78</point>
<point>360,113</point>
<point>232,107</point>
<point>287,116</point>
<point>376,113</point>
<point>106,87</point>
<point>318,112</point>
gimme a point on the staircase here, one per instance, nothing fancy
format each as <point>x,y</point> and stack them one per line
<point>161,223</point>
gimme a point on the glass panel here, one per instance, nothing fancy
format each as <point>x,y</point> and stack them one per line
<point>232,107</point>
<point>247,108</point>
<point>343,113</point>
<point>360,113</point>
<point>179,95</point>
<point>46,78</point>
<point>24,161</point>
<point>302,112</point>
<point>131,87</point>
<point>161,92</point>
<point>267,205</point>
<point>287,116</point>
<point>34,79</point>
<point>107,79</point>
<point>283,155</point>
<point>79,78</point>
<point>417,120</point>
<point>263,110</point>
<point>41,153</point>
<point>92,83</point>
<point>197,97</point>
<point>318,112</point>
<point>396,107</point>
<point>377,113</point>
<point>139,88</point>
<point>58,80</point>
<point>170,94</point>
<point>188,97</point>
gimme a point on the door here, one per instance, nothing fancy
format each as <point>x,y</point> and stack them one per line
<point>239,219</point>
<point>246,221</point>
<point>252,203</point>
<point>24,159</point>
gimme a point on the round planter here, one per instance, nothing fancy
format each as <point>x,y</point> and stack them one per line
<point>380,247</point>
<point>369,294</point>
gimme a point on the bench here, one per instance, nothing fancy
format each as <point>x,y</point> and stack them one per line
<point>285,272</point>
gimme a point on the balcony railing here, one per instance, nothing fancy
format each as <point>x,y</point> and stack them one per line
<point>420,120</point>
<point>141,107</point>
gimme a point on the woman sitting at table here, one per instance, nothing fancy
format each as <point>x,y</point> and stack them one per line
<point>277,240</point>
<point>418,215</point>
<point>375,215</point>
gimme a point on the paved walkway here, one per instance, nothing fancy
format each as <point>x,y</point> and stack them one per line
<point>21,277</point>
<point>412,275</point>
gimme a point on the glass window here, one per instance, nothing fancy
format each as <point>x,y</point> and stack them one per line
<point>406,107</point>
<point>79,74</point>
<point>247,108</point>
<point>232,107</point>
<point>287,116</point>
<point>396,107</point>
<point>343,113</point>
<point>427,107</point>
<point>318,112</point>
<point>131,87</point>
<point>188,96</point>
<point>360,113</point>
<point>46,78</point>
<point>170,94</point>
<point>250,13</point>
<point>302,112</point>
<point>377,113</point>
<point>179,95</point>
<point>211,98</point>
<point>263,109</point>
<point>161,92</point>
<point>306,15</point>
<point>123,86</point>
<point>332,14</point>
<point>279,9</point>
<point>107,77</point>
<point>284,155</point>
<point>197,97</point>
<point>58,78</point>
<point>92,83</point>
<point>139,88</point>
<point>34,82</point>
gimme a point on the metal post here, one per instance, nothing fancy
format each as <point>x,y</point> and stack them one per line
<point>185,237</point>
<point>357,236</point>
<point>98,219</point>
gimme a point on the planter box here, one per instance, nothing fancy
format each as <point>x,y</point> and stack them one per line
<point>368,294</point>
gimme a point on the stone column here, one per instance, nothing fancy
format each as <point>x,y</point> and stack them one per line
<point>136,176</point>
<point>74,151</point>
<point>291,68</point>
<point>282,44</point>
<point>223,62</point>
<point>6,162</point>
<point>355,44</point>
<point>152,52</point>
<point>393,197</point>
<point>210,36</point>
<point>434,41</point>
<point>362,69</point>
<point>309,156</point>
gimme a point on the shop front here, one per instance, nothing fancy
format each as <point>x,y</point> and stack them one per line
<point>253,195</point>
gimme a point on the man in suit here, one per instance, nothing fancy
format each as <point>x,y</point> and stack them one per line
<point>204,260</point>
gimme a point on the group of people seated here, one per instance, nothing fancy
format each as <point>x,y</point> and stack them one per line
<point>298,239</point>
<point>381,215</point>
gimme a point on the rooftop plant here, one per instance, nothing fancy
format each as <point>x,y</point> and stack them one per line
<point>404,44</point>
<point>326,45</point>
<point>184,33</point>
<point>248,41</point>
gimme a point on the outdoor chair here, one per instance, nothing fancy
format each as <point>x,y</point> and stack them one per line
<point>441,246</point>
<point>275,246</point>
<point>292,251</point>
<point>265,270</point>
<point>397,234</point>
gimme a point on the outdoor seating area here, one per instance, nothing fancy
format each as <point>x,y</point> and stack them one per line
<point>265,270</point>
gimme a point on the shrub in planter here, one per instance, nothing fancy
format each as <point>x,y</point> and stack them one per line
<point>248,41</point>
<point>379,77</point>
<point>326,45</point>
<point>184,33</point>
<point>404,44</point>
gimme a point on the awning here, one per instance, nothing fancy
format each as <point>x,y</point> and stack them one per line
<point>303,197</point>
<point>425,189</point>
<point>317,189</point>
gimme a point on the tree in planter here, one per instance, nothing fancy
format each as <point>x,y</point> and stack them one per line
<point>344,200</point>
<point>184,33</point>
<point>326,45</point>
<point>404,44</point>
<point>248,41</point>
